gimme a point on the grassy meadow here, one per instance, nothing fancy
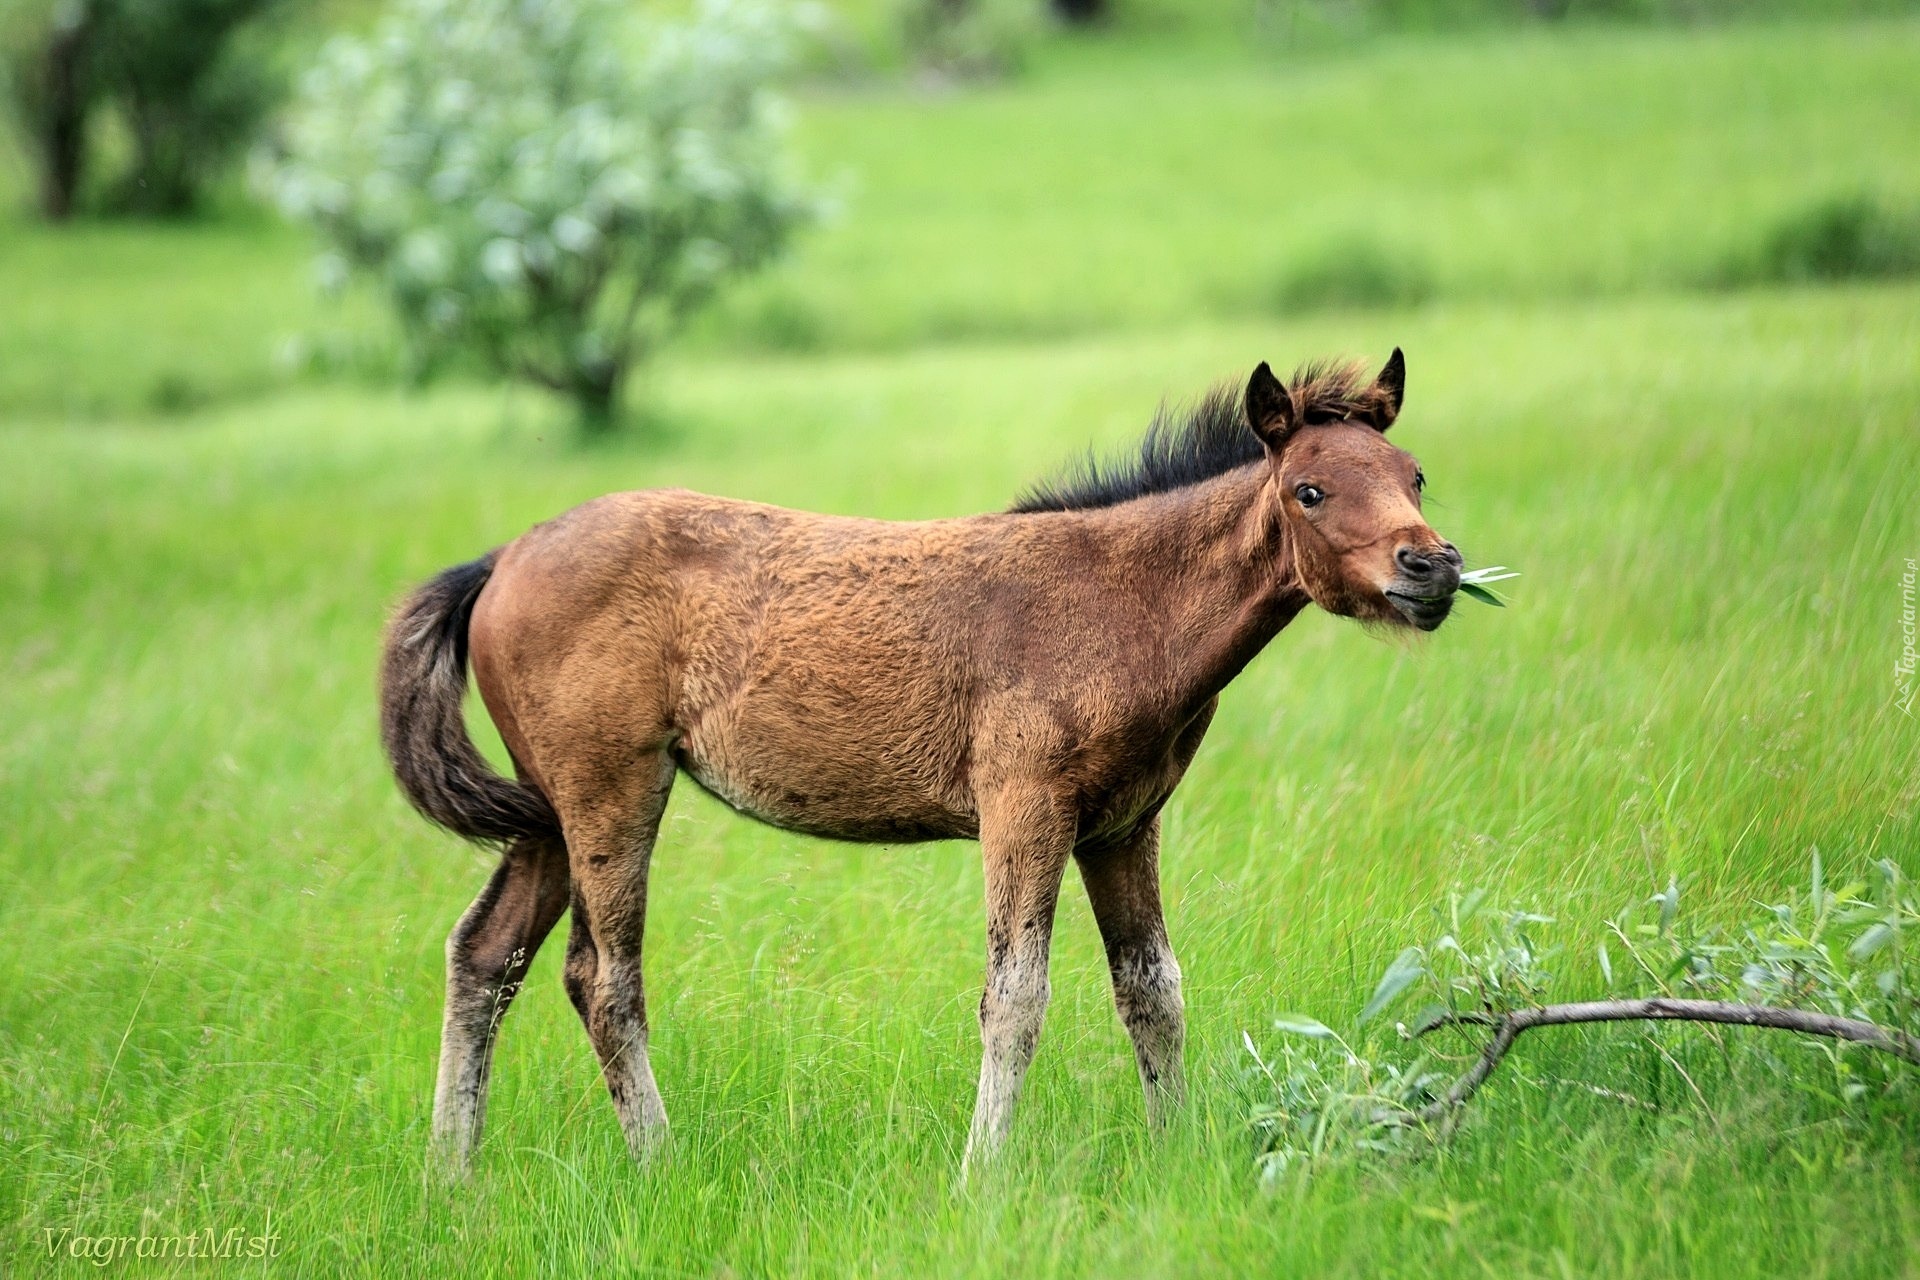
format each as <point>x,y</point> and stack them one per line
<point>220,987</point>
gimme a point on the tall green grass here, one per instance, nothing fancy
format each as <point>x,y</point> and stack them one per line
<point>222,995</point>
<point>219,993</point>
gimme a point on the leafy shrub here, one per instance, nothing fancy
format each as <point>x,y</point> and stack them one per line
<point>191,82</point>
<point>780,322</point>
<point>969,38</point>
<point>1839,238</point>
<point>548,188</point>
<point>1838,954</point>
<point>1357,273</point>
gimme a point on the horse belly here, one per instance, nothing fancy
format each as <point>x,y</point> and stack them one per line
<point>841,792</point>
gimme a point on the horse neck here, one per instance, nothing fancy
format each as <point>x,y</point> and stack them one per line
<point>1230,584</point>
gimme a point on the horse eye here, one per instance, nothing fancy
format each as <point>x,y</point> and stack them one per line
<point>1420,481</point>
<point>1308,495</point>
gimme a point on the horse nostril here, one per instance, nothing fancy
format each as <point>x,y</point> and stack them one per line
<point>1452,554</point>
<point>1412,563</point>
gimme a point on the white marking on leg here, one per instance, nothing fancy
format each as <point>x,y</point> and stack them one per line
<point>636,1098</point>
<point>1012,1015</point>
<point>1146,992</point>
<point>468,1030</point>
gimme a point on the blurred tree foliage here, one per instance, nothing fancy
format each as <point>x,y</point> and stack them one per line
<point>191,88</point>
<point>546,188</point>
<point>969,39</point>
<point>183,80</point>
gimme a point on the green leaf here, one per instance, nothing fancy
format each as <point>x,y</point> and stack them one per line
<point>1669,904</point>
<point>1483,595</point>
<point>1606,965</point>
<point>1890,872</point>
<point>1299,1024</point>
<point>1407,968</point>
<point>1871,941</point>
<point>1474,583</point>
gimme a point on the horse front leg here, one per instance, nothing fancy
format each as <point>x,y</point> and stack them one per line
<point>1026,837</point>
<point>1123,886</point>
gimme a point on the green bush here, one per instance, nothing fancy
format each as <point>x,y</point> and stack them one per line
<point>191,82</point>
<point>546,189</point>
<point>1357,273</point>
<point>1842,954</point>
<point>969,38</point>
<point>1839,238</point>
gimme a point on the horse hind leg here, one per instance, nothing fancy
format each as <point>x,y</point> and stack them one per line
<point>611,845</point>
<point>487,955</point>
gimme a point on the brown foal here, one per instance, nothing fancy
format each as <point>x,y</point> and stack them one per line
<point>1038,679</point>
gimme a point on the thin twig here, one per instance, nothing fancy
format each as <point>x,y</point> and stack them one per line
<point>1510,1026</point>
<point>1601,1091</point>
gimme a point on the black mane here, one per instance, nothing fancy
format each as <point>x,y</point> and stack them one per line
<point>1213,439</point>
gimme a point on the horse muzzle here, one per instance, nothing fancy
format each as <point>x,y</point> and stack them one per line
<point>1422,590</point>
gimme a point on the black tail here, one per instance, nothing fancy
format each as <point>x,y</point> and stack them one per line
<point>423,679</point>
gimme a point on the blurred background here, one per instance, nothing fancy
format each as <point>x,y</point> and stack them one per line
<point>303,300</point>
<point>956,171</point>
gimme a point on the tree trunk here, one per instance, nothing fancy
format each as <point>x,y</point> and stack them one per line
<point>60,118</point>
<point>1080,12</point>
<point>596,395</point>
<point>159,181</point>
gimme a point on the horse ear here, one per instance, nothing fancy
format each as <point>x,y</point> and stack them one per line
<point>1389,389</point>
<point>1269,407</point>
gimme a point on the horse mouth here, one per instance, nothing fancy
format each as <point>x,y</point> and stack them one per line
<point>1426,612</point>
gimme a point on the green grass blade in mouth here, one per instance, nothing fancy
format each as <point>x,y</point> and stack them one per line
<point>1474,583</point>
